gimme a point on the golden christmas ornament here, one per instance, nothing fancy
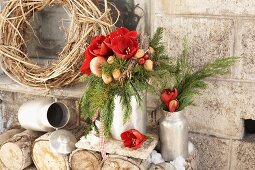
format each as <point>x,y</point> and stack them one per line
<point>110,59</point>
<point>106,78</point>
<point>151,50</point>
<point>148,65</point>
<point>140,53</point>
<point>116,74</point>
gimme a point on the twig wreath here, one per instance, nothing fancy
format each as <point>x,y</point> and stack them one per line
<point>86,21</point>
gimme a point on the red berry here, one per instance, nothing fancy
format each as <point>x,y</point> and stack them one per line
<point>141,61</point>
<point>146,56</point>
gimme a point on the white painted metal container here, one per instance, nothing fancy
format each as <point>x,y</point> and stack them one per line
<point>43,115</point>
<point>138,118</point>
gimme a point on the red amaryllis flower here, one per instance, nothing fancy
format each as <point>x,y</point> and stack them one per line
<point>85,68</point>
<point>173,105</point>
<point>122,31</point>
<point>132,138</point>
<point>168,94</point>
<point>98,47</point>
<point>124,47</point>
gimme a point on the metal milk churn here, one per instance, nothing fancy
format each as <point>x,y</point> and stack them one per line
<point>173,133</point>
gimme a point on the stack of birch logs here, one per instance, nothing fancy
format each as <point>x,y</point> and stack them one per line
<point>20,149</point>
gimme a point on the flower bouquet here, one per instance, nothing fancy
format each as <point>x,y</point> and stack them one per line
<point>185,84</point>
<point>124,64</point>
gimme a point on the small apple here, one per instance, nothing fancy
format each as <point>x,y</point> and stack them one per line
<point>110,59</point>
<point>151,50</point>
<point>116,74</point>
<point>95,65</point>
<point>106,78</point>
<point>139,53</point>
<point>148,65</point>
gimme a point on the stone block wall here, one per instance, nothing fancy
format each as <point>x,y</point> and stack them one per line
<point>216,29</point>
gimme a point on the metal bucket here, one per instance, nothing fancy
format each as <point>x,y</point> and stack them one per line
<point>43,115</point>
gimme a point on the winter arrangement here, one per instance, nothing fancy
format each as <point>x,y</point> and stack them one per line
<point>121,64</point>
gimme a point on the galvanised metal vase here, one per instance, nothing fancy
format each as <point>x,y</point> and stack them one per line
<point>173,133</point>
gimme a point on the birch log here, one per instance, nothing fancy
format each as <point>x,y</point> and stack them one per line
<point>116,162</point>
<point>44,158</point>
<point>81,159</point>
<point>15,154</point>
<point>6,136</point>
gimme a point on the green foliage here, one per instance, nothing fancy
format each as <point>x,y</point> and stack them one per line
<point>189,82</point>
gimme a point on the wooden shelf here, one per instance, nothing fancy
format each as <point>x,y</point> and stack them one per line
<point>74,92</point>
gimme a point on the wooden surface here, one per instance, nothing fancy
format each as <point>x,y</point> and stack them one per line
<point>46,159</point>
<point>82,159</point>
<point>6,136</point>
<point>116,147</point>
<point>75,91</point>
<point>15,154</point>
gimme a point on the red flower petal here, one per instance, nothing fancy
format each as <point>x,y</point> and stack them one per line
<point>132,34</point>
<point>167,95</point>
<point>173,105</point>
<point>85,69</point>
<point>128,143</point>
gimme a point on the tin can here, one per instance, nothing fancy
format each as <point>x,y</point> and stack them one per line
<point>173,133</point>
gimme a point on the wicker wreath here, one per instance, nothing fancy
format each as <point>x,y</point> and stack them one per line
<point>86,20</point>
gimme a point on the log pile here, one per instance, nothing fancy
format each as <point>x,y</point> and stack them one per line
<point>6,136</point>
<point>81,159</point>
<point>51,160</point>
<point>20,149</point>
<point>15,153</point>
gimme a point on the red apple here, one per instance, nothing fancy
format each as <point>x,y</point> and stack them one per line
<point>95,65</point>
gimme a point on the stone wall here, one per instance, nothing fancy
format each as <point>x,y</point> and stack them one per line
<point>216,29</point>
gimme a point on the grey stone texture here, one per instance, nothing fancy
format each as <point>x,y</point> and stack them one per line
<point>206,7</point>
<point>245,49</point>
<point>213,152</point>
<point>224,154</point>
<point>243,154</point>
<point>217,111</point>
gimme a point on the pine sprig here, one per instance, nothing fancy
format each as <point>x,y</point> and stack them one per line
<point>190,83</point>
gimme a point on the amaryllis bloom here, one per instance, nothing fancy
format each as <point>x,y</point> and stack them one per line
<point>122,31</point>
<point>85,68</point>
<point>98,48</point>
<point>132,138</point>
<point>173,105</point>
<point>168,94</point>
<point>124,47</point>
